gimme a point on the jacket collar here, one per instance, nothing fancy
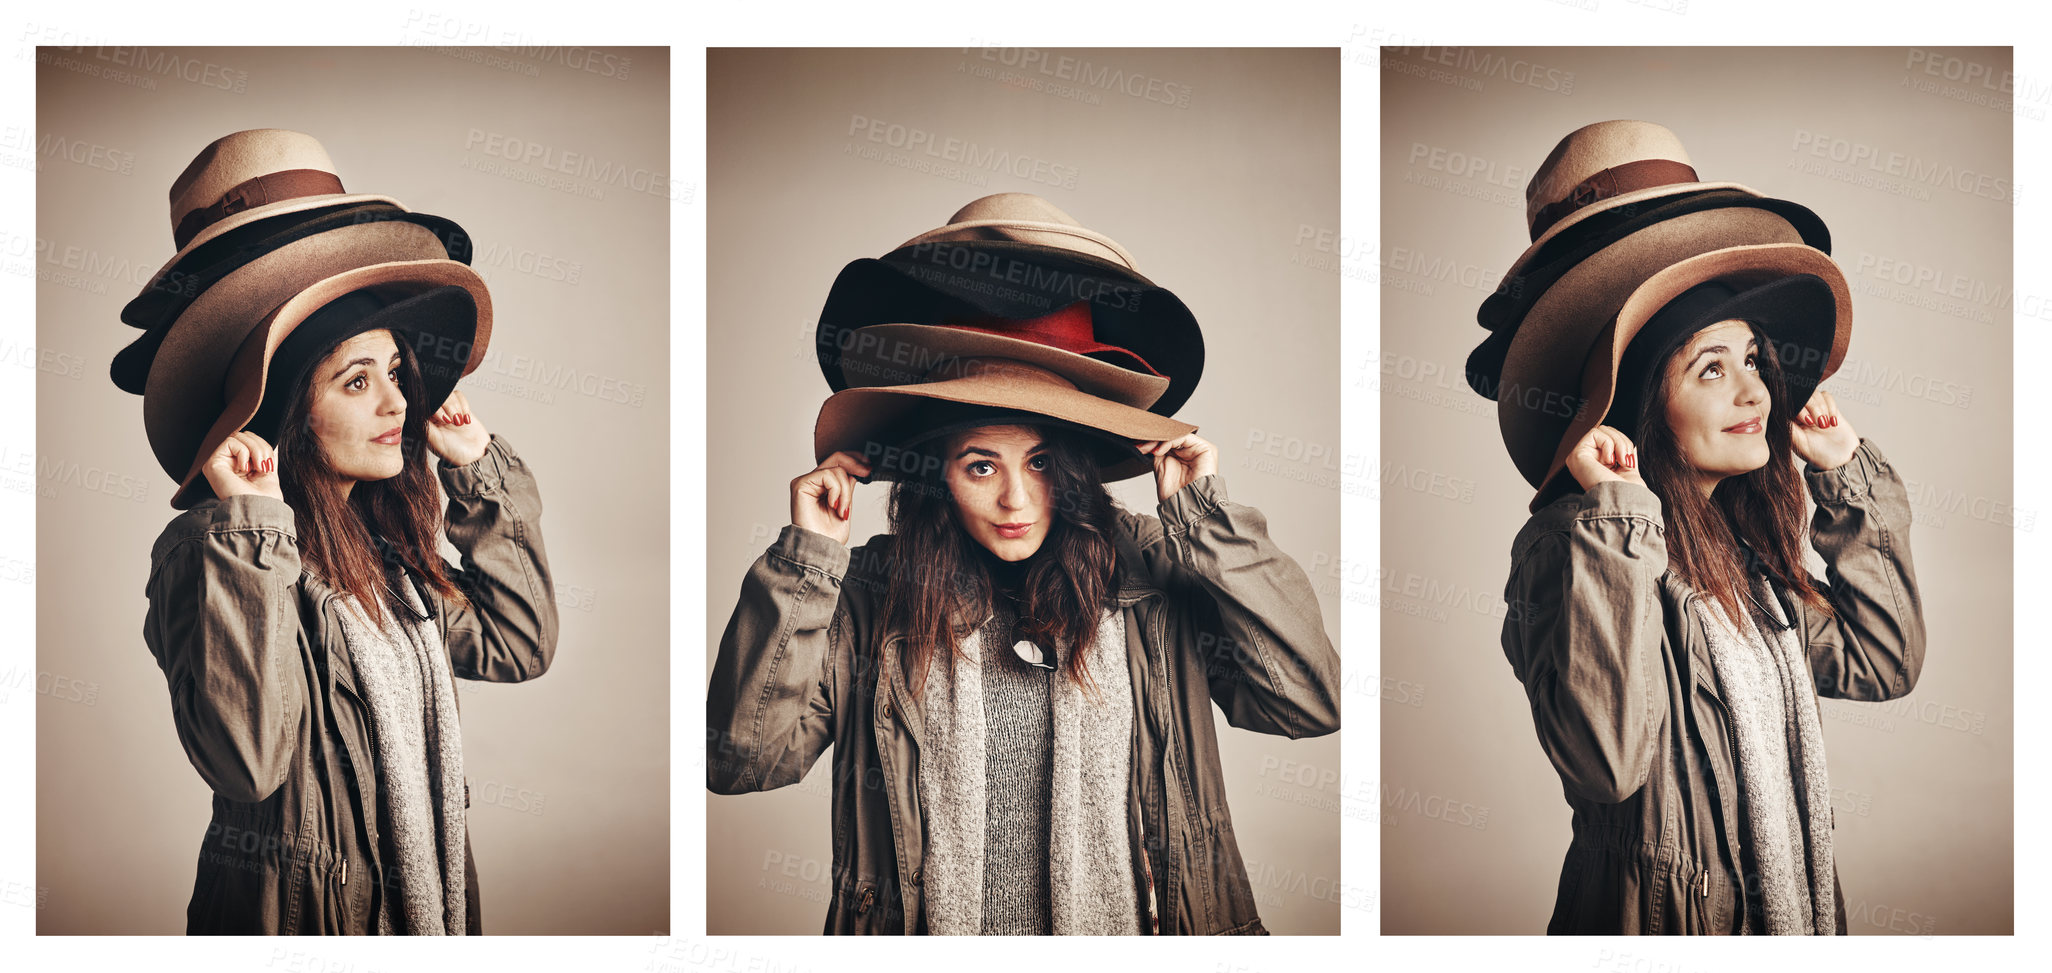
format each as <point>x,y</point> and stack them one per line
<point>319,591</point>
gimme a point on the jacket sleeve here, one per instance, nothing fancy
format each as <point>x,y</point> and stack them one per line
<point>1259,633</point>
<point>507,631</point>
<point>1872,645</point>
<point>1583,629</point>
<point>770,710</point>
<point>223,623</point>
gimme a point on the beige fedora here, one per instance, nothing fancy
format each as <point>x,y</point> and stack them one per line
<point>1540,390</point>
<point>1601,167</point>
<point>196,392</point>
<point>873,422</point>
<point>1740,266</point>
<point>247,176</point>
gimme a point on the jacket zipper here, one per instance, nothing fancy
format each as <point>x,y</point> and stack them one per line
<point>1730,749</point>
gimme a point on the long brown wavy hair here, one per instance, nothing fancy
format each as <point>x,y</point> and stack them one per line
<point>1753,521</point>
<point>350,542</point>
<point>939,566</point>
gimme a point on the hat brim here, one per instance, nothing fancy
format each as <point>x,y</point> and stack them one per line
<point>1041,232</point>
<point>184,392</point>
<point>182,278</point>
<point>1540,386</point>
<point>1602,206</point>
<point>255,213</point>
<point>930,283</point>
<point>432,323</point>
<point>872,421</point>
<point>905,354</point>
<point>1795,294</point>
<point>160,306</point>
<point>1526,281</point>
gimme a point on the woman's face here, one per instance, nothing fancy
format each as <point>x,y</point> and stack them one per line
<point>999,478</point>
<point>1717,403</point>
<point>357,407</point>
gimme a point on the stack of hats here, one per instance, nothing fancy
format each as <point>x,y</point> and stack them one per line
<point>1631,254</point>
<point>1011,312</point>
<point>277,264</point>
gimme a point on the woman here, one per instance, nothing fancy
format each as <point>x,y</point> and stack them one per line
<point>1667,633</point>
<point>309,629</point>
<point>1057,790</point>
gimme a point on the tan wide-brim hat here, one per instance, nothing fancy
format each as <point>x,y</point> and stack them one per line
<point>1601,167</point>
<point>1740,266</point>
<point>873,422</point>
<point>200,387</point>
<point>1541,386</point>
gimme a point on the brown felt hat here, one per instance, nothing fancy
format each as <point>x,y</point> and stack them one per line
<point>1823,334</point>
<point>876,422</point>
<point>1540,393</point>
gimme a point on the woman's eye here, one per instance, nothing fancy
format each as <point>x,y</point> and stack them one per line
<point>1752,363</point>
<point>979,468</point>
<point>1713,370</point>
<point>357,384</point>
<point>1037,463</point>
<point>393,375</point>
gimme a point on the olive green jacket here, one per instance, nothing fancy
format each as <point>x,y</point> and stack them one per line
<point>1214,612</point>
<point>266,704</point>
<point>1627,705</point>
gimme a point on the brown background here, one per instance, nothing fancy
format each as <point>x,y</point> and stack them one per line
<point>1474,822</point>
<point>1213,198</point>
<point>569,774</point>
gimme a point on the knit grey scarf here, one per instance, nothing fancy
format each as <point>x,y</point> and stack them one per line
<point>1783,786</point>
<point>1090,873</point>
<point>404,672</point>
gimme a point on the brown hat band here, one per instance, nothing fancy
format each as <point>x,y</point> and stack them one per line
<point>271,187</point>
<point>1614,181</point>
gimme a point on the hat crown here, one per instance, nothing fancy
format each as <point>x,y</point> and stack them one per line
<point>1593,148</point>
<point>1024,218</point>
<point>234,159</point>
<point>1013,206</point>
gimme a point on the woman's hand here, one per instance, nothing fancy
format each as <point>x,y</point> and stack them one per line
<point>824,499</point>
<point>454,434</point>
<point>1604,454</point>
<point>243,464</point>
<point>1178,461</point>
<point>1822,437</point>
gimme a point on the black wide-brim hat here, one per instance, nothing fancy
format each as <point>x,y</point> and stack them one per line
<point>939,282</point>
<point>1622,227</point>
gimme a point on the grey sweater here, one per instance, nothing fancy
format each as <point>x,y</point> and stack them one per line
<point>1019,768</point>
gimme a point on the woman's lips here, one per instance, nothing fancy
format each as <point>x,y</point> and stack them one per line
<point>1746,428</point>
<point>1013,530</point>
<point>390,438</point>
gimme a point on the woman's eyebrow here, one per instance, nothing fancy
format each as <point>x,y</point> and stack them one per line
<point>352,363</point>
<point>994,454</point>
<point>1752,345</point>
